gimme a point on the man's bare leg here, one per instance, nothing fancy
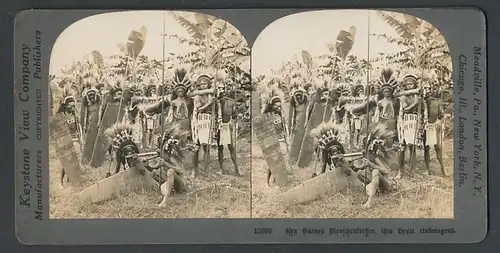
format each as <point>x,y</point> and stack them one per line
<point>413,158</point>
<point>166,188</point>
<point>196,163</point>
<point>220,156</point>
<point>401,158</point>
<point>372,188</point>
<point>63,173</point>
<point>268,177</point>
<point>232,152</point>
<point>427,160</point>
<point>439,154</point>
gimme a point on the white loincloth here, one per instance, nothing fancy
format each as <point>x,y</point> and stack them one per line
<point>400,129</point>
<point>204,122</point>
<point>226,134</point>
<point>409,128</point>
<point>344,134</point>
<point>432,134</point>
<point>357,123</point>
<point>150,122</point>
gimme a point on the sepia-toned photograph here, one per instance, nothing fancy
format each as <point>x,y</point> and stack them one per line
<point>150,118</point>
<point>352,114</point>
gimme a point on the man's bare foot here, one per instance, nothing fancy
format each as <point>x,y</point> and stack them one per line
<point>445,172</point>
<point>399,175</point>
<point>367,205</point>
<point>163,204</point>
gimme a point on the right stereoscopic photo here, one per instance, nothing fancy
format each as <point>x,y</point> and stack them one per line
<point>352,114</point>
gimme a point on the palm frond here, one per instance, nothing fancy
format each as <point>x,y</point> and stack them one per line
<point>401,28</point>
<point>192,28</point>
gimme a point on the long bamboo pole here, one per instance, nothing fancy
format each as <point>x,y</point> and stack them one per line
<point>162,116</point>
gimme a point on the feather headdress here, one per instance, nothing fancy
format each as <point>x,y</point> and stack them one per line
<point>114,82</point>
<point>297,85</point>
<point>148,80</point>
<point>343,89</point>
<point>181,78</point>
<point>119,134</point>
<point>380,130</point>
<point>387,79</point>
<point>410,73</point>
<point>378,133</point>
<point>68,92</point>
<point>89,78</point>
<point>90,91</point>
<point>325,135</point>
<point>270,95</point>
<point>170,139</point>
<point>321,84</point>
<point>207,72</point>
<point>357,90</point>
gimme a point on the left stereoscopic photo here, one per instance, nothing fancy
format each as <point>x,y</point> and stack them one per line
<point>150,118</point>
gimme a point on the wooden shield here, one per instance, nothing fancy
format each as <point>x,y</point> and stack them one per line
<point>91,133</point>
<point>125,181</point>
<point>307,147</point>
<point>100,146</point>
<point>270,145</point>
<point>63,144</point>
<point>256,103</point>
<point>329,182</point>
<point>298,135</point>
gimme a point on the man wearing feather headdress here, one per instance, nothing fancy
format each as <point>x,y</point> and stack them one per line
<point>68,111</point>
<point>412,120</point>
<point>114,96</point>
<point>216,114</point>
<point>272,99</point>
<point>205,109</point>
<point>324,96</point>
<point>120,136</point>
<point>340,117</point>
<point>133,102</point>
<point>91,101</point>
<point>168,170</point>
<point>101,89</point>
<point>227,131</point>
<point>356,123</point>
<point>181,110</point>
<point>386,107</point>
<point>298,104</point>
<point>150,90</point>
<point>434,127</point>
<point>370,166</point>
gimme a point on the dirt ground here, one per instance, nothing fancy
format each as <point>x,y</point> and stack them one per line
<point>212,196</point>
<point>417,197</point>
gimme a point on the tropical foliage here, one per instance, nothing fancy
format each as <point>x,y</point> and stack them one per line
<point>423,49</point>
<point>214,43</point>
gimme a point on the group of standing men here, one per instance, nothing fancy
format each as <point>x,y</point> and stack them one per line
<point>411,106</point>
<point>201,104</point>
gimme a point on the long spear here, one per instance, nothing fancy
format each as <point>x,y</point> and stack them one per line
<point>368,95</point>
<point>162,117</point>
<point>417,61</point>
